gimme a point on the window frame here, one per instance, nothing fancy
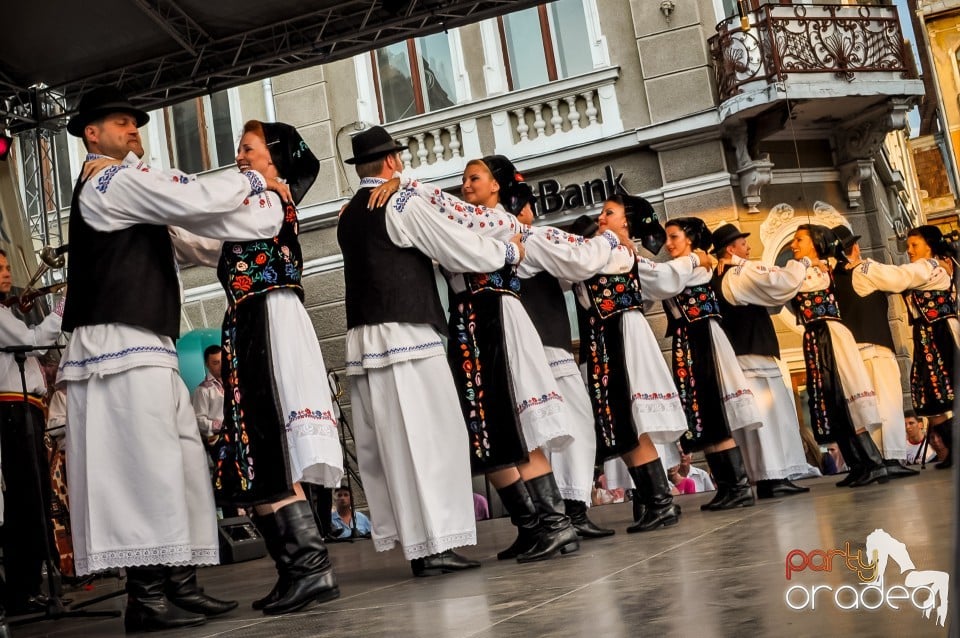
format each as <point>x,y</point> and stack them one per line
<point>368,75</point>
<point>209,156</point>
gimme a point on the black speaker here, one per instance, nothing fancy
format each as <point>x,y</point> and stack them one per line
<point>240,540</point>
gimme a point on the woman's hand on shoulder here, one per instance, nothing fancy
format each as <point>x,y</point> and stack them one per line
<point>280,188</point>
<point>382,193</point>
<point>94,166</point>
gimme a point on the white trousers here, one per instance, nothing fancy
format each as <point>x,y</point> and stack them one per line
<point>774,451</point>
<point>412,449</point>
<point>139,488</point>
<point>884,371</point>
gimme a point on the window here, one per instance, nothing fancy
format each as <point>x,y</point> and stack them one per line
<point>414,77</point>
<point>545,43</point>
<point>201,133</point>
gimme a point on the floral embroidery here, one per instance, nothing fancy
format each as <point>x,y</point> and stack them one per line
<point>255,267</point>
<point>683,376</point>
<point>472,388</point>
<point>307,413</point>
<point>698,302</point>
<point>504,281</point>
<point>816,392</point>
<point>818,305</point>
<point>931,379</point>
<point>613,294</point>
<point>533,402</point>
<point>934,305</point>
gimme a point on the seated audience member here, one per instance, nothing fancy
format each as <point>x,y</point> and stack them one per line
<point>916,428</point>
<point>681,484</point>
<point>348,523</point>
<point>701,478</point>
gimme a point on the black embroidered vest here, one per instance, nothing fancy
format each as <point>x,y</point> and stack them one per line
<point>932,305</point>
<point>543,300</point>
<point>127,276</point>
<point>695,303</point>
<point>749,328</point>
<point>384,283</point>
<point>612,294</point>
<point>251,268</point>
<point>817,305</point>
<point>866,317</point>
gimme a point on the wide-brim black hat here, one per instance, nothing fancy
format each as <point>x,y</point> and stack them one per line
<point>372,144</point>
<point>100,102</point>
<point>726,235</point>
<point>294,160</point>
<point>845,236</point>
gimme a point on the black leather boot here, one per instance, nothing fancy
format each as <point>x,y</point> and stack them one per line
<point>897,469</point>
<point>556,532</point>
<point>523,514</point>
<point>654,490</point>
<point>442,563</point>
<point>874,470</point>
<point>732,481</point>
<point>721,478</point>
<point>182,590</point>
<point>945,430</point>
<point>147,606</point>
<point>304,561</point>
<point>774,488</point>
<point>267,526</point>
<point>577,511</point>
<point>851,456</point>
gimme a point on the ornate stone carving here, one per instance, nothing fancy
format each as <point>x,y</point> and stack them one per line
<point>754,173</point>
<point>852,175</point>
<point>783,221</point>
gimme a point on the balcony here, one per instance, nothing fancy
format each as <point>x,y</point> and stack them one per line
<point>854,56</point>
<point>547,119</point>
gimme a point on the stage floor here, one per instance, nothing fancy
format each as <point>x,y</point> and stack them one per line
<point>715,574</point>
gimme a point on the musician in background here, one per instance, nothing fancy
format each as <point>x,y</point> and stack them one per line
<point>207,400</point>
<point>22,452</point>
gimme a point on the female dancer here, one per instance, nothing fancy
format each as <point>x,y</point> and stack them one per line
<point>493,182</point>
<point>635,402</point>
<point>279,429</point>
<point>716,396</point>
<point>927,285</point>
<point>843,403</point>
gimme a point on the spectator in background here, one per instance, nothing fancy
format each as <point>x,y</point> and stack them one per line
<point>833,462</point>
<point>682,484</point>
<point>347,522</point>
<point>916,429</point>
<point>207,399</point>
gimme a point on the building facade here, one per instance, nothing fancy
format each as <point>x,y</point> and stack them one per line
<point>764,114</point>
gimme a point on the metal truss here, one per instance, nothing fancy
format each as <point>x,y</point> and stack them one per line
<point>203,64</point>
<point>41,196</point>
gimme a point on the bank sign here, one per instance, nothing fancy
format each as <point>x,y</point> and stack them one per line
<point>553,198</point>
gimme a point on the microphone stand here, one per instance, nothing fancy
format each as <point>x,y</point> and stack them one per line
<point>55,608</point>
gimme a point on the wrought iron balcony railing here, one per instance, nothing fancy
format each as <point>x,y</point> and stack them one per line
<point>776,41</point>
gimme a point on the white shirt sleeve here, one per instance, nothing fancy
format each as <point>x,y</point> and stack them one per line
<point>490,222</point>
<point>14,332</point>
<point>566,256</point>
<point>925,274</point>
<point>752,283</point>
<point>659,281</point>
<point>133,193</point>
<point>413,222</point>
<point>208,406</point>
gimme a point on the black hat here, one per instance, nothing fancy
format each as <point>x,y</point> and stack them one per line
<point>372,144</point>
<point>294,160</point>
<point>100,102</point>
<point>726,235</point>
<point>845,236</point>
